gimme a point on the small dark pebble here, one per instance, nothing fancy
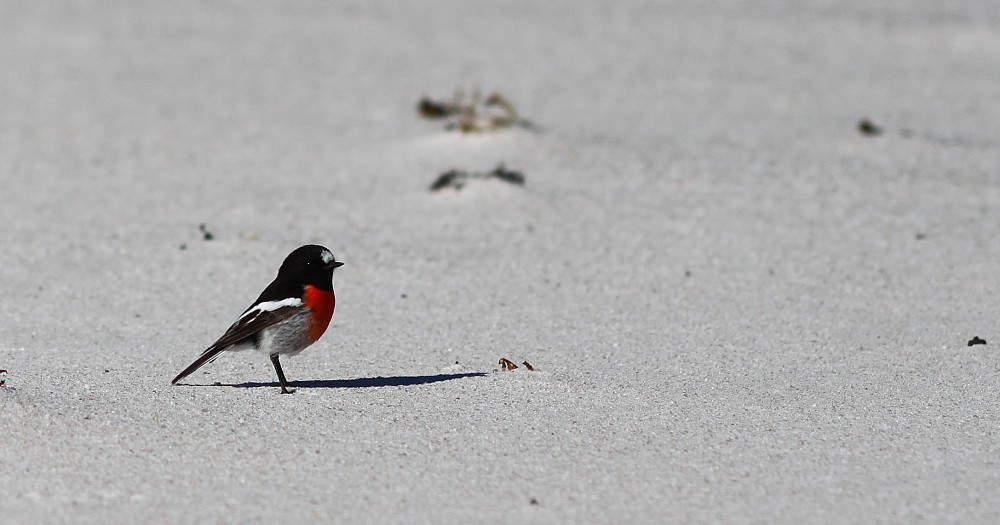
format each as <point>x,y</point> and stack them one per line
<point>976,341</point>
<point>184,247</point>
<point>867,127</point>
<point>403,296</point>
<point>687,273</point>
<point>921,236</point>
<point>106,371</point>
<point>204,230</point>
<point>533,501</point>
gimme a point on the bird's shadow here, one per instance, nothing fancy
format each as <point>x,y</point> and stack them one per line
<point>361,382</point>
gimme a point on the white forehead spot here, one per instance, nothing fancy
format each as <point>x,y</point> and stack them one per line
<point>326,256</point>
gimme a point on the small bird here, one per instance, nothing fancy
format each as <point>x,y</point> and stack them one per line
<point>290,314</point>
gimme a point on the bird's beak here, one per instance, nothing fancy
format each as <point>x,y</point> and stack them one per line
<point>335,264</point>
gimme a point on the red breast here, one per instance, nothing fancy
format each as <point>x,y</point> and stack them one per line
<point>321,304</point>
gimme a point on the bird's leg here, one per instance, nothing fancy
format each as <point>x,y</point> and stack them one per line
<point>281,375</point>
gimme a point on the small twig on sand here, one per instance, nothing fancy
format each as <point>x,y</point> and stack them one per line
<point>476,116</point>
<point>456,178</point>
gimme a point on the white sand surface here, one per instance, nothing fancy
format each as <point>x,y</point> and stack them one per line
<point>740,308</point>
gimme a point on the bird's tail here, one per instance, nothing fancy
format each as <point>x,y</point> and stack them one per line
<point>206,357</point>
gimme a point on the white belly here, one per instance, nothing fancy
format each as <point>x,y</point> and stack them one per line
<point>288,337</point>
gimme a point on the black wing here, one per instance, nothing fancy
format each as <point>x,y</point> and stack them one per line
<point>255,319</point>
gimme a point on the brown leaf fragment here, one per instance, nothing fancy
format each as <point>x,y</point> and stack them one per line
<point>507,365</point>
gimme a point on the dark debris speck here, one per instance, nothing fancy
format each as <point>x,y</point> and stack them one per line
<point>457,178</point>
<point>451,178</point>
<point>506,175</point>
<point>435,109</point>
<point>474,114</point>
<point>976,341</point>
<point>207,235</point>
<point>867,127</point>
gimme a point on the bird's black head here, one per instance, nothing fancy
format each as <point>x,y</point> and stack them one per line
<point>310,264</point>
